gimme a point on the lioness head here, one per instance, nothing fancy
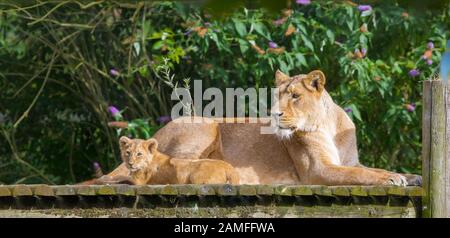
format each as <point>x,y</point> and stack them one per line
<point>136,153</point>
<point>300,105</point>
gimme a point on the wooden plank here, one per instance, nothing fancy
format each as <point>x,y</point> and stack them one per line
<point>43,190</point>
<point>247,190</point>
<point>124,189</point>
<point>414,191</point>
<point>283,190</point>
<point>377,191</point>
<point>148,190</point>
<point>437,152</point>
<point>206,190</point>
<point>342,191</point>
<point>302,191</point>
<point>227,190</point>
<point>426,143</point>
<point>447,157</point>
<point>322,190</point>
<point>359,191</point>
<point>264,190</point>
<point>187,190</point>
<point>397,191</point>
<point>21,190</point>
<point>85,190</point>
<point>64,190</point>
<point>169,190</point>
<point>4,191</point>
<point>106,190</point>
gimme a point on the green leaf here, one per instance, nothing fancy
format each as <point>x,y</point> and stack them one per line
<point>301,59</point>
<point>243,45</point>
<point>307,42</point>
<point>240,27</point>
<point>330,35</point>
<point>355,112</point>
<point>261,29</point>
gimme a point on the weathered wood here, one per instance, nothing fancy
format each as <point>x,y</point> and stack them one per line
<point>21,190</point>
<point>64,190</point>
<point>43,190</point>
<point>125,190</point>
<point>438,151</point>
<point>309,201</point>
<point>4,191</point>
<point>227,190</point>
<point>447,138</point>
<point>264,190</point>
<point>247,190</point>
<point>106,190</point>
<point>426,143</point>
<point>86,190</point>
<point>356,211</point>
<point>187,190</point>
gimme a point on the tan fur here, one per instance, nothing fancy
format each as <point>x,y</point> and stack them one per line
<point>316,141</point>
<point>318,126</point>
<point>149,166</point>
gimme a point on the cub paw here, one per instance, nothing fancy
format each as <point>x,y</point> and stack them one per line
<point>396,180</point>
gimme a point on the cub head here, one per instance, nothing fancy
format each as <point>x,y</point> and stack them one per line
<point>136,153</point>
<point>300,105</point>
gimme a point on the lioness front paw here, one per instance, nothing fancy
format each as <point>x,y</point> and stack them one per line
<point>396,180</point>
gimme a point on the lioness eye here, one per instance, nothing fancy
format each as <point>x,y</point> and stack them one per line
<point>139,154</point>
<point>294,95</point>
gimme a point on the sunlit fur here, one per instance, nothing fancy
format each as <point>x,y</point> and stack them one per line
<point>147,165</point>
<point>136,155</point>
<point>301,108</point>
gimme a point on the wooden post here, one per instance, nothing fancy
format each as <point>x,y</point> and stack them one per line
<point>434,149</point>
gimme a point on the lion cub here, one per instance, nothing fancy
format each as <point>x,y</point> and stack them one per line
<point>147,165</point>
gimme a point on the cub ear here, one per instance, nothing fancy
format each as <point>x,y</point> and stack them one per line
<point>280,77</point>
<point>152,145</point>
<point>124,141</point>
<point>315,81</point>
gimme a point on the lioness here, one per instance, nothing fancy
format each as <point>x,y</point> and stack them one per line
<point>315,141</point>
<point>147,165</point>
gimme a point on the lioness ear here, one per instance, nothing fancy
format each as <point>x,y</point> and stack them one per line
<point>280,77</point>
<point>152,145</point>
<point>315,81</point>
<point>124,141</point>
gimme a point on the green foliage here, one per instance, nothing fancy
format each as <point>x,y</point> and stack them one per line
<point>63,64</point>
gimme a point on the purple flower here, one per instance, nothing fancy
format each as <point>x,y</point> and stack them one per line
<point>96,165</point>
<point>272,44</point>
<point>430,45</point>
<point>364,8</point>
<point>164,119</point>
<point>414,72</point>
<point>303,2</point>
<point>348,110</point>
<point>363,51</point>
<point>429,62</point>
<point>410,107</point>
<point>114,111</point>
<point>114,72</point>
<point>207,24</point>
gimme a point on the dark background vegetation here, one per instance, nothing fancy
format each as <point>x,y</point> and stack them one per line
<point>63,63</point>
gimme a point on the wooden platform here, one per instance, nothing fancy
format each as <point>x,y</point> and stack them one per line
<point>209,201</point>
